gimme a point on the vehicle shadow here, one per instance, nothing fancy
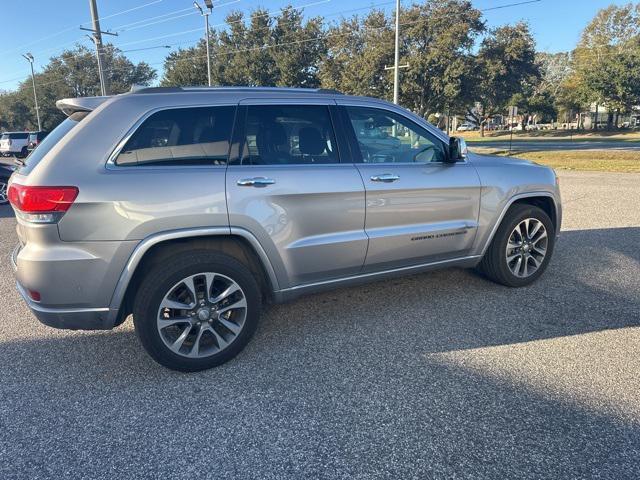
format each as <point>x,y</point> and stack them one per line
<point>353,381</point>
<point>6,211</point>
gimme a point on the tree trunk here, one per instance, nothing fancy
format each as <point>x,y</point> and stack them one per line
<point>617,116</point>
<point>595,123</point>
<point>609,120</point>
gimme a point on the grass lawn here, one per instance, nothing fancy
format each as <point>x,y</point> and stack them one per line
<point>632,136</point>
<point>594,160</point>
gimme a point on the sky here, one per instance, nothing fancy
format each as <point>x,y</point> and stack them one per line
<point>46,28</point>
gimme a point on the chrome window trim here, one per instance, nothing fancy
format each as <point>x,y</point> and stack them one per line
<point>111,160</point>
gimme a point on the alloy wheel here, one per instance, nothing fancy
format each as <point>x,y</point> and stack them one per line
<point>202,315</point>
<point>527,247</point>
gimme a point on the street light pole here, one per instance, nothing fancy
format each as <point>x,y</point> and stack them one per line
<point>205,14</point>
<point>30,59</point>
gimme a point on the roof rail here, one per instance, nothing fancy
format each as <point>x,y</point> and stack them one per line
<point>142,90</point>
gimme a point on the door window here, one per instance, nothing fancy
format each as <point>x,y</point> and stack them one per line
<point>385,137</point>
<point>181,136</point>
<point>288,135</point>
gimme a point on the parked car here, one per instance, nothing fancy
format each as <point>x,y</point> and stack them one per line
<point>466,127</point>
<point>14,143</point>
<point>192,207</point>
<point>35,138</point>
<point>5,173</point>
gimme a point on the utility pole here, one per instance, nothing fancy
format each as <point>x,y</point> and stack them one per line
<point>96,38</point>
<point>396,68</point>
<point>205,14</point>
<point>30,59</point>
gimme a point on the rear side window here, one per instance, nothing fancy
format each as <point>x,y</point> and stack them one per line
<point>19,136</point>
<point>288,135</point>
<point>50,140</point>
<point>181,136</point>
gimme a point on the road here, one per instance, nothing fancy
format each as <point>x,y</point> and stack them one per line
<point>441,375</point>
<point>546,145</point>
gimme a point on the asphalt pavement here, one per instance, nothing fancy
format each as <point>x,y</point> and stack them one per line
<point>548,145</point>
<point>440,375</point>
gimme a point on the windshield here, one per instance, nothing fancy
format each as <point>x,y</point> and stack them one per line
<point>49,141</point>
<point>5,136</point>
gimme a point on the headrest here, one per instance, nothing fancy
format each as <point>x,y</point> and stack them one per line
<point>311,141</point>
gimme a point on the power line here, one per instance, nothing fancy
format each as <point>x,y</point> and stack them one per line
<point>298,42</point>
<point>74,27</point>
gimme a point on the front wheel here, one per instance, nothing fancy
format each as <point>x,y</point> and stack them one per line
<point>521,248</point>
<point>196,310</point>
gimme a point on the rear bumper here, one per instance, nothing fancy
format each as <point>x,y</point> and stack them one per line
<point>65,318</point>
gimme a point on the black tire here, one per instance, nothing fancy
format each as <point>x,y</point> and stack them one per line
<point>494,263</point>
<point>160,278</point>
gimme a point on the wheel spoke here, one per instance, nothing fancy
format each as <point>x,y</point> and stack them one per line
<point>536,227</point>
<point>172,304</point>
<point>538,250</point>
<point>516,267</point>
<point>525,267</point>
<point>525,223</point>
<point>230,325</point>
<point>239,304</point>
<point>195,350</point>
<point>542,235</point>
<point>209,279</point>
<point>188,282</point>
<point>536,262</point>
<point>175,346</point>
<point>222,343</point>
<point>511,258</point>
<point>230,290</point>
<point>167,322</point>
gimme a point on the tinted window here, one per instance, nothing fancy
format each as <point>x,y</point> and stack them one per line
<point>385,137</point>
<point>288,134</point>
<point>33,137</point>
<point>181,136</point>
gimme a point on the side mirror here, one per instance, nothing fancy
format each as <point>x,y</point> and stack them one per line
<point>457,149</point>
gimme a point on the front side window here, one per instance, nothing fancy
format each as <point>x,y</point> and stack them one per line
<point>181,136</point>
<point>288,135</point>
<point>385,137</point>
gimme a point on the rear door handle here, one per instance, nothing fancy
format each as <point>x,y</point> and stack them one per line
<point>385,177</point>
<point>256,182</point>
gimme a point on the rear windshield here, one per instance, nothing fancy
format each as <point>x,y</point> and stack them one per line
<point>49,141</point>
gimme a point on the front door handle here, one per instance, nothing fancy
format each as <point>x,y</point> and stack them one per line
<point>256,182</point>
<point>385,177</point>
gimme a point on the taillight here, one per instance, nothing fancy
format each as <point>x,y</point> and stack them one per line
<point>41,204</point>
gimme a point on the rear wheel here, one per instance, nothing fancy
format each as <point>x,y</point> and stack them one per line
<point>521,248</point>
<point>196,310</point>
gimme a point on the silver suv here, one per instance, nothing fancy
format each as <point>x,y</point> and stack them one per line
<point>192,207</point>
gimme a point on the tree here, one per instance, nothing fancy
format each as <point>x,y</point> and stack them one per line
<point>505,62</point>
<point>437,40</point>
<point>606,60</point>
<point>358,49</point>
<point>256,51</point>
<point>74,73</point>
